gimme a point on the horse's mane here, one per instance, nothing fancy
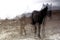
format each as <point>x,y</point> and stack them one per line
<point>45,9</point>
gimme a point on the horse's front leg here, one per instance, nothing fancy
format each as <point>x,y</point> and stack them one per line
<point>38,30</point>
<point>43,28</point>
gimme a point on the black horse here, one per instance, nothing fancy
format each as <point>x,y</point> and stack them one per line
<point>38,17</point>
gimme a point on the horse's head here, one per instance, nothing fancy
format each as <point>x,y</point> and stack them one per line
<point>49,11</point>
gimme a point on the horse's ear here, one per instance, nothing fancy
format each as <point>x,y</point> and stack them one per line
<point>43,4</point>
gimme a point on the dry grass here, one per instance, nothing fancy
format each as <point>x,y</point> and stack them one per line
<point>12,29</point>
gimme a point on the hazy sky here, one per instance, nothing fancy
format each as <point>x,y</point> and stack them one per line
<point>11,8</point>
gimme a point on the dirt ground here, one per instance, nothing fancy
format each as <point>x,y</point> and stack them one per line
<point>12,32</point>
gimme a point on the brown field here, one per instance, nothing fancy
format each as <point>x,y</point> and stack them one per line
<point>14,29</point>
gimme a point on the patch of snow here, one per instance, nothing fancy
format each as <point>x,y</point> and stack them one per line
<point>4,35</point>
<point>54,37</point>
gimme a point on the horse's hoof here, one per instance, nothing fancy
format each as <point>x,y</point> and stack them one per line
<point>39,36</point>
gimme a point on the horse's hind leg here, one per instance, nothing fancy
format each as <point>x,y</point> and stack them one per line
<point>21,30</point>
<point>35,29</point>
